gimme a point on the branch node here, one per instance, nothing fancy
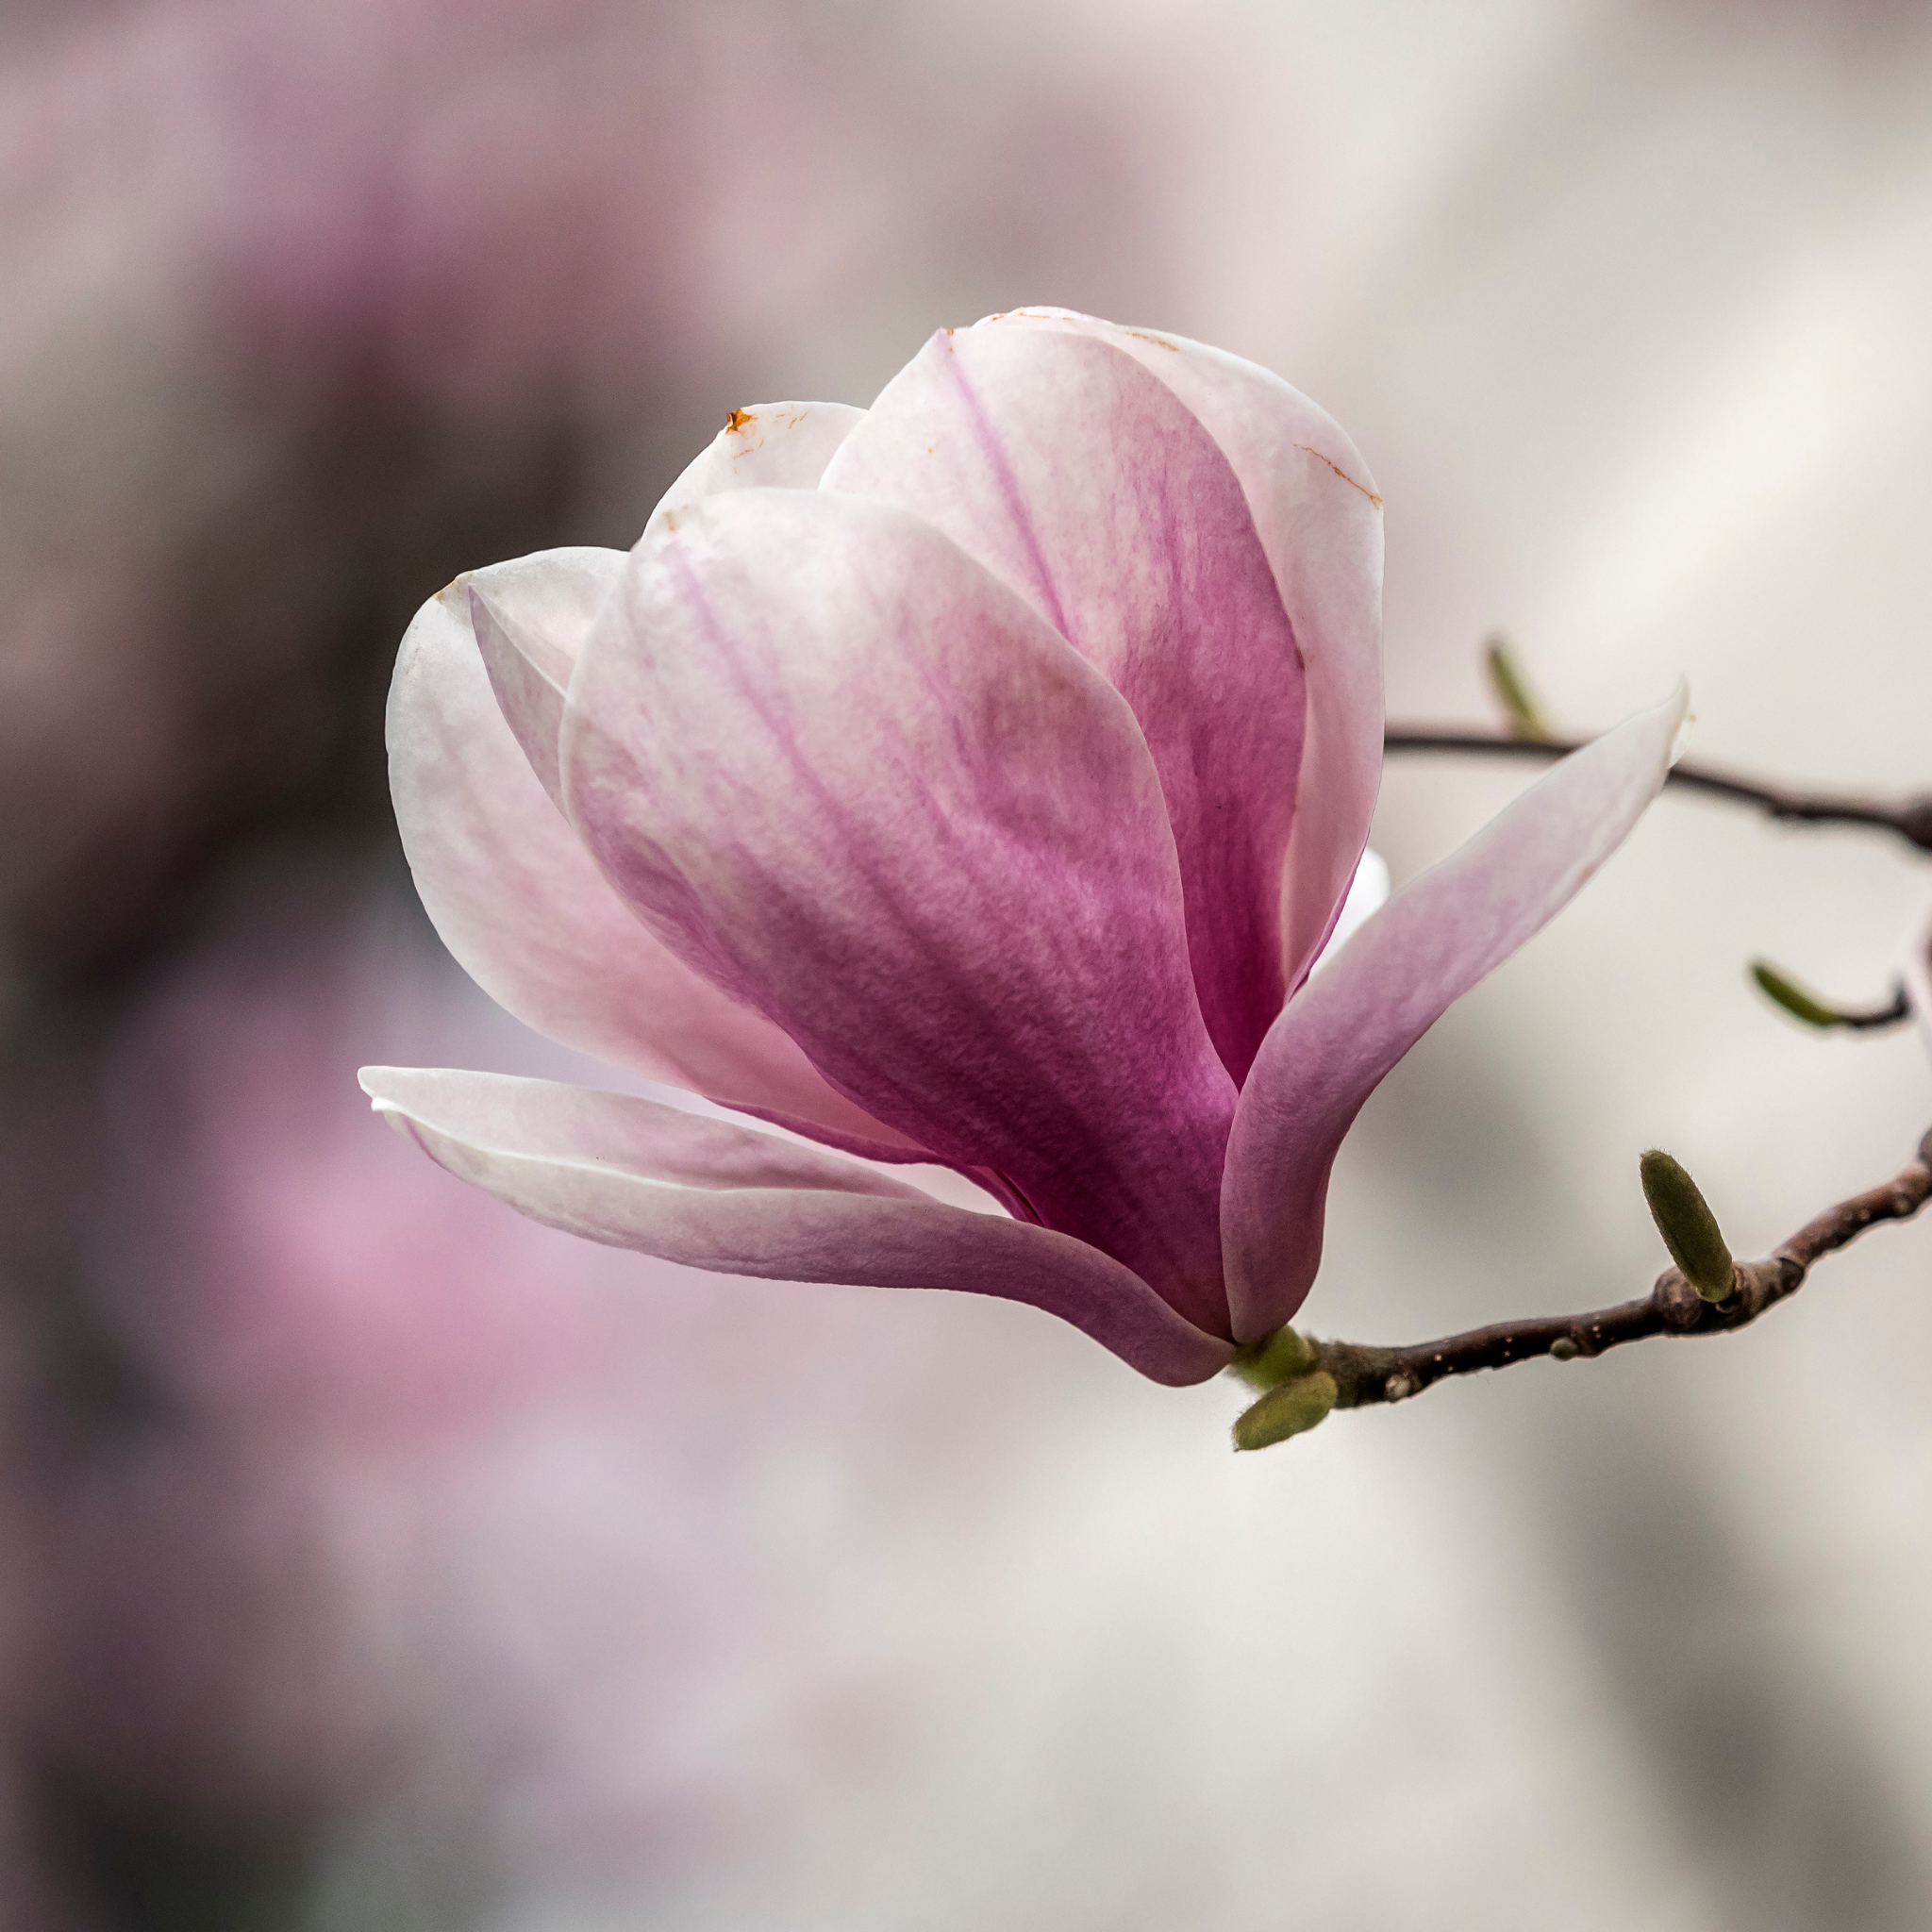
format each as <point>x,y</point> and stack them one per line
<point>1915,822</point>
<point>1324,1375</point>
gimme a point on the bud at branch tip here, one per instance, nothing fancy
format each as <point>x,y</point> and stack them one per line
<point>1688,1227</point>
<point>1786,991</point>
<point>1523,715</point>
<point>1291,1410</point>
<point>1792,997</point>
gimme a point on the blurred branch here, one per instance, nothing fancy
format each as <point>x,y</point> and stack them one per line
<point>1912,819</point>
<point>1806,1006</point>
<point>1364,1375</point>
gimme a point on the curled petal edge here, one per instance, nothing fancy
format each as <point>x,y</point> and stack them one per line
<point>514,895</point>
<point>707,1193</point>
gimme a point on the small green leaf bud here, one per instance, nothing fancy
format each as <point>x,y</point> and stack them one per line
<point>1288,1411</point>
<point>1519,708</point>
<point>1688,1227</point>
<point>1792,997</point>
<point>1277,1357</point>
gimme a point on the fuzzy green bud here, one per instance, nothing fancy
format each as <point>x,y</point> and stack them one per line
<point>1277,1357</point>
<point>1290,1410</point>
<point>1688,1227</point>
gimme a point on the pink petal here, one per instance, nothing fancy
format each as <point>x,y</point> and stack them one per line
<point>1353,1019</point>
<point>529,616</point>
<point>1320,520</point>
<point>713,1194</point>
<point>857,781</point>
<point>519,901</point>
<point>1085,485</point>
<point>769,445</point>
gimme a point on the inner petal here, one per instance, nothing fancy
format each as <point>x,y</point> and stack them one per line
<point>858,784</point>
<point>1089,488</point>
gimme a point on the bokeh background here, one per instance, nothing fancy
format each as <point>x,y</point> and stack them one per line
<point>371,1560</point>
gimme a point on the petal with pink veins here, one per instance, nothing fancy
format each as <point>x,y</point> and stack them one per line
<point>1074,477</point>
<point>1320,520</point>
<point>858,782</point>
<point>712,1194</point>
<point>1355,1019</point>
<point>519,901</point>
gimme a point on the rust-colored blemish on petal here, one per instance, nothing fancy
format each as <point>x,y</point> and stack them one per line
<point>1140,335</point>
<point>1341,473</point>
<point>736,420</point>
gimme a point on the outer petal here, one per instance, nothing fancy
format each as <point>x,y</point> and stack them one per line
<point>857,782</point>
<point>520,902</point>
<point>712,1194</point>
<point>529,616</point>
<point>1083,483</point>
<point>769,445</point>
<point>1432,941</point>
<point>1320,520</point>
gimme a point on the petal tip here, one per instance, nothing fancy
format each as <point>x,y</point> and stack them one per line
<point>1678,705</point>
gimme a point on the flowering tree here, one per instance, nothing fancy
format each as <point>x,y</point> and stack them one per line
<point>977,782</point>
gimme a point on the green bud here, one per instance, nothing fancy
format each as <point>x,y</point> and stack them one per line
<point>1688,1227</point>
<point>1277,1357</point>
<point>1520,708</point>
<point>1288,1411</point>
<point>1792,997</point>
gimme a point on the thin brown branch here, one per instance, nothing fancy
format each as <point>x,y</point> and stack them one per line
<point>1894,1012</point>
<point>1912,819</point>
<point>1364,1374</point>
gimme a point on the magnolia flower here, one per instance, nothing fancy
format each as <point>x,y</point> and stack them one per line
<point>969,780</point>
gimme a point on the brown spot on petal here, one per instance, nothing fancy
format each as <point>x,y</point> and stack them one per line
<point>1341,473</point>
<point>737,420</point>
<point>1140,335</point>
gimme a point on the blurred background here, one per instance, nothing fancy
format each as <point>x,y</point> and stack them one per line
<point>371,1558</point>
